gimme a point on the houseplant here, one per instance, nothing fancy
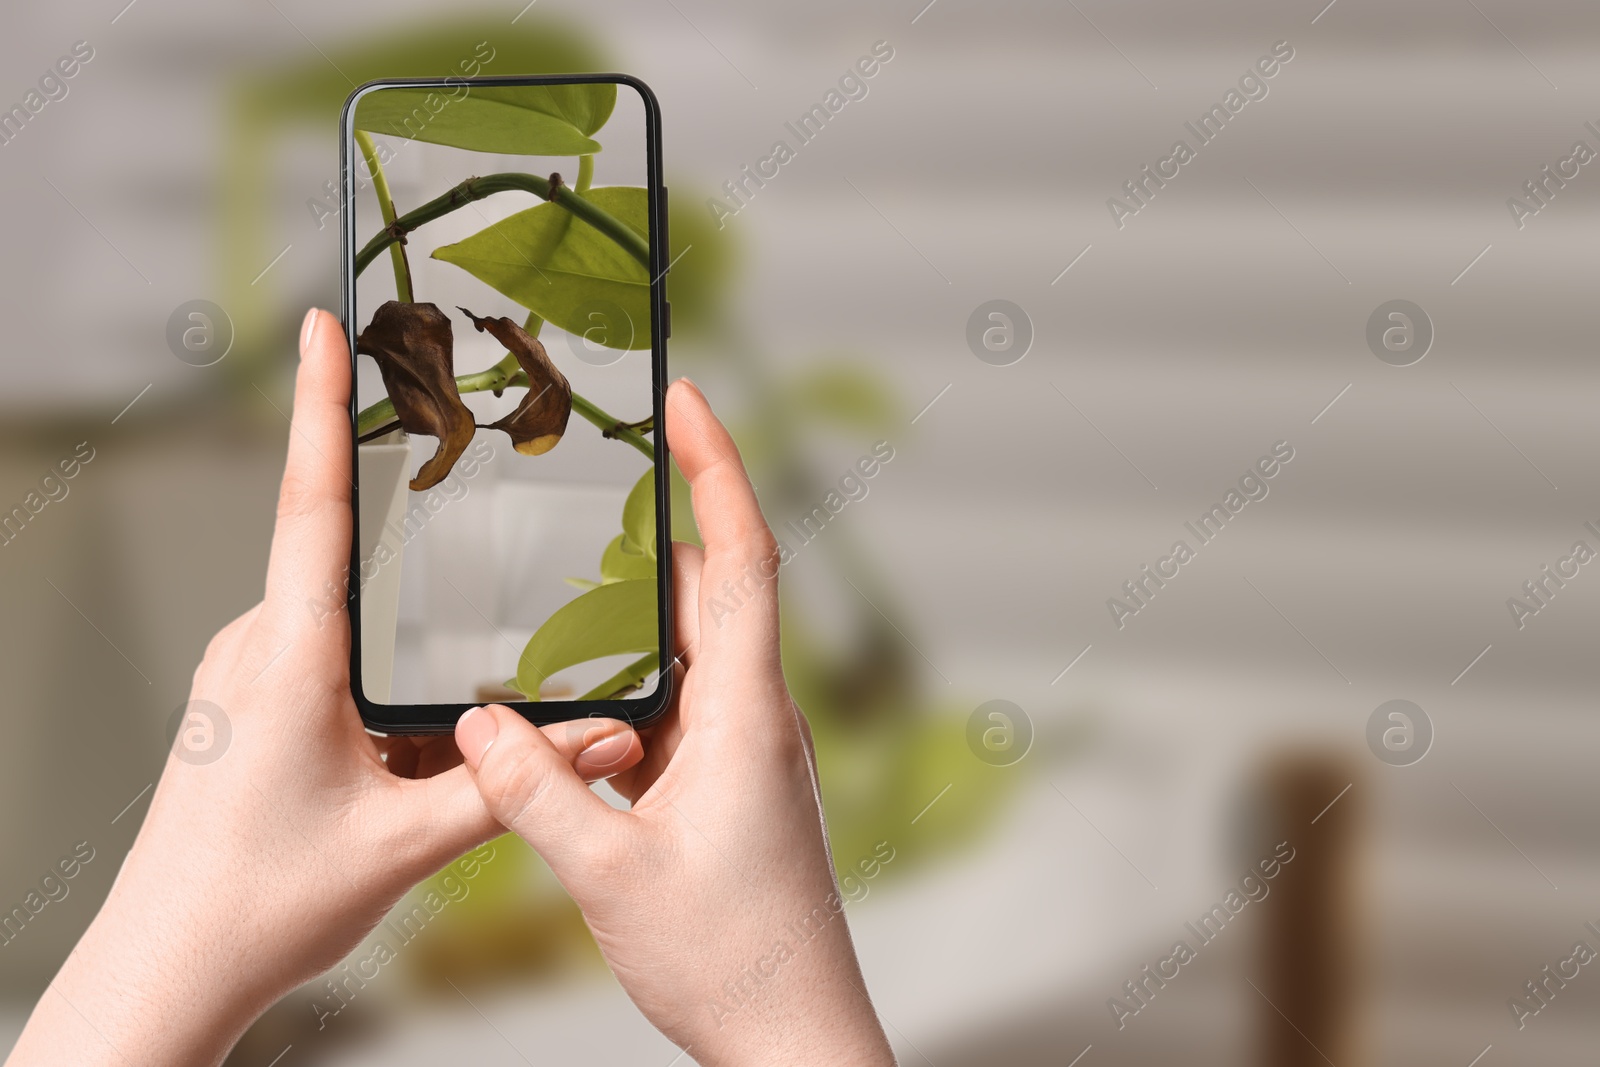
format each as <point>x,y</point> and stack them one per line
<point>579,248</point>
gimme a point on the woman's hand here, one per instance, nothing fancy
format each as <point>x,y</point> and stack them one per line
<point>714,899</point>
<point>259,869</point>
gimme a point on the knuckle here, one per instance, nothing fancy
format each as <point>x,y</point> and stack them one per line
<point>513,784</point>
<point>215,646</point>
<point>299,498</point>
<point>755,550</point>
<point>225,640</point>
<point>763,544</point>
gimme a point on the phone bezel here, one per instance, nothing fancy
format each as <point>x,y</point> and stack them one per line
<point>441,718</point>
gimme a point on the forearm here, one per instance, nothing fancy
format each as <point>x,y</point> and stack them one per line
<point>143,987</point>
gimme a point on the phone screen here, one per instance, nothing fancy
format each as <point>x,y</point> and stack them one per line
<point>504,305</point>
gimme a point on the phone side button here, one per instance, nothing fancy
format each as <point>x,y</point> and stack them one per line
<point>666,237</point>
<point>666,319</point>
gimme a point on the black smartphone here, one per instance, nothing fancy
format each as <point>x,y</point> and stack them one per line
<point>504,264</point>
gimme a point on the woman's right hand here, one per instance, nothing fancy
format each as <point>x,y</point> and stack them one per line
<point>714,899</point>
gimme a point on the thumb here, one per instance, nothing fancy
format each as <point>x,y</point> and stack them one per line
<point>531,788</point>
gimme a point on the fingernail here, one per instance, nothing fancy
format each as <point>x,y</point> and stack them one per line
<point>603,758</point>
<point>308,330</point>
<point>690,383</point>
<point>475,732</point>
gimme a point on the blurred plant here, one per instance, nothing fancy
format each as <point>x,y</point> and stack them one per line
<point>884,753</point>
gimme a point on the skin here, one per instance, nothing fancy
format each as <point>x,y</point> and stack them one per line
<point>724,853</point>
<point>260,870</point>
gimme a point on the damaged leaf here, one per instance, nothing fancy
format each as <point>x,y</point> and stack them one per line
<point>540,418</point>
<point>413,346</point>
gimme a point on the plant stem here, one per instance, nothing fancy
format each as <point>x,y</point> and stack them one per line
<point>506,373</point>
<point>626,680</point>
<point>585,174</point>
<point>380,417</point>
<point>612,427</point>
<point>628,239</point>
<point>380,189</point>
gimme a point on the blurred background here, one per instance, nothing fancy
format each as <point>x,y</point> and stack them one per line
<point>1135,772</point>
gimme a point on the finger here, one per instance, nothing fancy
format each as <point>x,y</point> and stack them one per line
<point>445,802</point>
<point>661,740</point>
<point>725,507</point>
<point>531,789</point>
<point>438,818</point>
<point>739,574</point>
<point>311,543</point>
<point>687,561</point>
<point>595,748</point>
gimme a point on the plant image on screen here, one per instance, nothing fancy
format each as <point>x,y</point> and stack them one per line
<point>577,260</point>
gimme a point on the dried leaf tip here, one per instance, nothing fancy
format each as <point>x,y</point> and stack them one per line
<point>537,423</point>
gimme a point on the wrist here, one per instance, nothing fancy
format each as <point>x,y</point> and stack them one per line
<point>822,1017</point>
<point>811,1042</point>
<point>154,980</point>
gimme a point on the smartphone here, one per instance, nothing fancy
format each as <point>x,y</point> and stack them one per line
<point>504,260</point>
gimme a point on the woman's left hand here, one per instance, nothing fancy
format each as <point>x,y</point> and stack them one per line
<point>267,857</point>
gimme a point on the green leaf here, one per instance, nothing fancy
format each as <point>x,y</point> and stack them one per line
<point>632,553</point>
<point>627,679</point>
<point>613,619</point>
<point>562,269</point>
<point>542,120</point>
<point>639,515</point>
<point>683,524</point>
<point>622,561</point>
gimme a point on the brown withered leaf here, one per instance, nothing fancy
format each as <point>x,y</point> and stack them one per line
<point>413,345</point>
<point>540,419</point>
